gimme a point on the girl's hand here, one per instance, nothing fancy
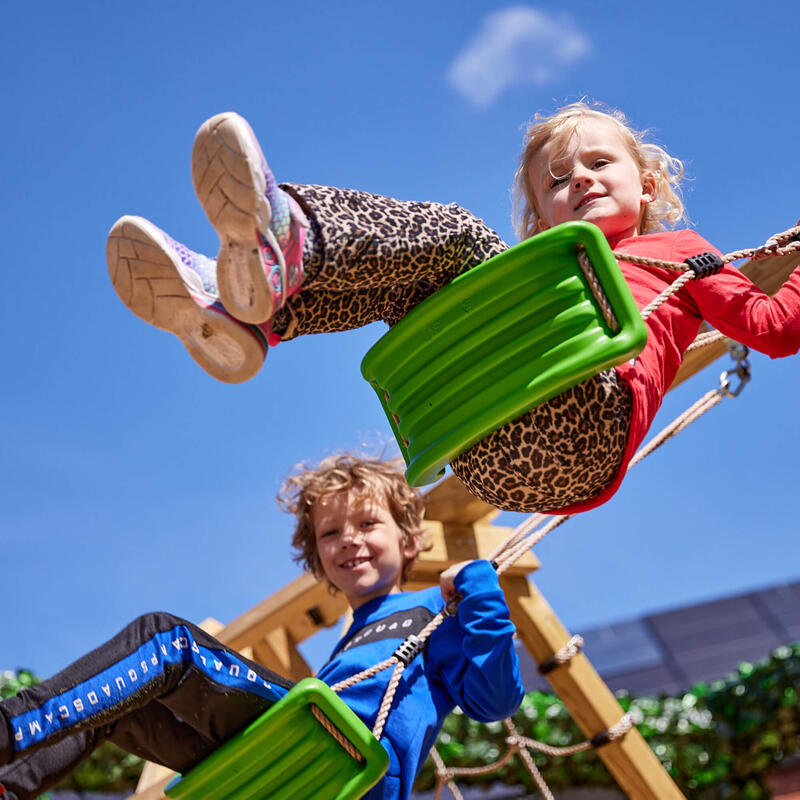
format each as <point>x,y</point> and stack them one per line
<point>447,581</point>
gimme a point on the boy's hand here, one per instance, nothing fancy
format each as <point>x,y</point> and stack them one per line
<point>447,580</point>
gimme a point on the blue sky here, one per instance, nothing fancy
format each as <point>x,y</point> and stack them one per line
<point>131,481</point>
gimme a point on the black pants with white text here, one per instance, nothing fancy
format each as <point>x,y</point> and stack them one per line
<point>162,689</point>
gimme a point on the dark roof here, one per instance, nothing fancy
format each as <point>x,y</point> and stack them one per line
<point>672,650</point>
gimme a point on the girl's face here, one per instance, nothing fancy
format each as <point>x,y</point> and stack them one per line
<point>594,179</point>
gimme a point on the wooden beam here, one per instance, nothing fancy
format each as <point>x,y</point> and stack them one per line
<point>152,782</point>
<point>303,606</point>
<point>278,652</point>
<point>452,543</point>
<point>590,702</point>
<point>449,501</point>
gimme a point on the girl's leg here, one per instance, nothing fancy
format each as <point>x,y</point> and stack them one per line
<point>565,451</point>
<point>283,250</point>
<point>292,260</point>
<point>369,257</point>
<point>156,679</point>
<point>175,289</point>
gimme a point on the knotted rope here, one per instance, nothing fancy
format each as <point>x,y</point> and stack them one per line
<point>399,660</point>
<point>520,745</point>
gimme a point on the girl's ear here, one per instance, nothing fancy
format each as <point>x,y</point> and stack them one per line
<point>649,187</point>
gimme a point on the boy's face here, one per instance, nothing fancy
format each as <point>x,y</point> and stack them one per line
<point>360,546</point>
<point>594,179</point>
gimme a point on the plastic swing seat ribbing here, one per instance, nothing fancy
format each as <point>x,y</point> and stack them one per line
<point>499,340</point>
<point>289,754</point>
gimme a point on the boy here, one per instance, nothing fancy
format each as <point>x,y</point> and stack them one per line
<point>166,691</point>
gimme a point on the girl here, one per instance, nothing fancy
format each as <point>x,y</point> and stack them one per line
<point>299,259</point>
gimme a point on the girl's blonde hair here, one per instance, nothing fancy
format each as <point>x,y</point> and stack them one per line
<point>665,210</point>
<point>365,479</point>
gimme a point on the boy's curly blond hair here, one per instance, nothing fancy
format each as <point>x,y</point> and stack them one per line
<point>365,479</point>
<point>666,209</point>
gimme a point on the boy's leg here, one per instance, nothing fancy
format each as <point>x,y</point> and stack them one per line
<point>143,689</point>
<point>565,451</point>
<point>28,776</point>
<point>148,733</point>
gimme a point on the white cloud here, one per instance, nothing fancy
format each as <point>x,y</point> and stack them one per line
<point>515,46</point>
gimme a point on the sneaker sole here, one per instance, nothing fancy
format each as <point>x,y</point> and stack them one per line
<point>147,277</point>
<point>230,184</point>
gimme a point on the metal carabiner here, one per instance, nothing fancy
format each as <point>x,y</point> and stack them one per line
<point>739,353</point>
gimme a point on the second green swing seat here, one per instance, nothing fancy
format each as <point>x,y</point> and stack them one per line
<point>290,753</point>
<point>499,340</point>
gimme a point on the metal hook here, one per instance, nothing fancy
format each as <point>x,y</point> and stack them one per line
<point>739,353</point>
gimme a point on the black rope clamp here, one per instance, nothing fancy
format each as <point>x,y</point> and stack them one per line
<point>557,659</point>
<point>548,666</point>
<point>599,739</point>
<point>408,650</point>
<point>612,734</point>
<point>704,265</point>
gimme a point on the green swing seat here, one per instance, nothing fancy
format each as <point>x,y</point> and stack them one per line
<point>289,753</point>
<point>499,340</point>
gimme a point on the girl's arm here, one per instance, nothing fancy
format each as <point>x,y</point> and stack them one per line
<point>474,654</point>
<point>735,306</point>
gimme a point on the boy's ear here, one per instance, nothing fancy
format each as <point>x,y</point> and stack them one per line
<point>411,549</point>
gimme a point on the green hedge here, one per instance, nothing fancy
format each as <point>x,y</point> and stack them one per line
<point>718,741</point>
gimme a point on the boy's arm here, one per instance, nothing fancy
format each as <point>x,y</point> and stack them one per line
<point>475,656</point>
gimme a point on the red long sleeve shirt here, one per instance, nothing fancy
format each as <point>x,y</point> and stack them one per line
<point>728,301</point>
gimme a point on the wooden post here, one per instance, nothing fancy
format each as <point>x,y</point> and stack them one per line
<point>590,702</point>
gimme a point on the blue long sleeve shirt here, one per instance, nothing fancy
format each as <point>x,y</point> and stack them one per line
<point>470,661</point>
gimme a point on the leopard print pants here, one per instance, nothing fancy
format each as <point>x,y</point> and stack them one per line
<point>371,258</point>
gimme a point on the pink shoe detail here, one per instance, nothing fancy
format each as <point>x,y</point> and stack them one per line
<point>173,288</point>
<point>261,228</point>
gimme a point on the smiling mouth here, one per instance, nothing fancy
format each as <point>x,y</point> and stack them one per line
<point>354,562</point>
<point>587,198</point>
